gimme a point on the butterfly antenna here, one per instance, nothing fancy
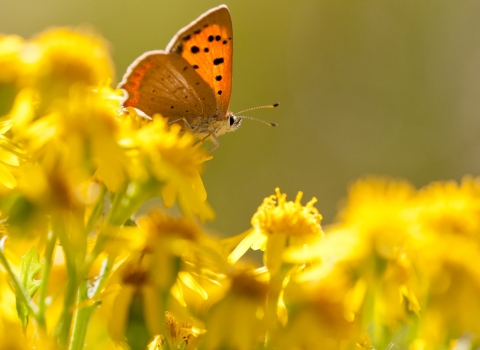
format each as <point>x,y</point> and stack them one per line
<point>259,107</point>
<point>256,119</point>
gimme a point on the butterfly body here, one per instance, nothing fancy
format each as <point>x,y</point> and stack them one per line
<point>190,82</point>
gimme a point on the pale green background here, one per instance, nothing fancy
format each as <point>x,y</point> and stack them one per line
<point>366,86</point>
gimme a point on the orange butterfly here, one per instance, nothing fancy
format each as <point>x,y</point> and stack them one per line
<point>191,81</point>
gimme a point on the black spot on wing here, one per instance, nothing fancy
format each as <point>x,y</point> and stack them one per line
<point>186,38</point>
<point>218,38</point>
<point>197,31</point>
<point>211,38</point>
<point>195,66</point>
<point>219,92</point>
<point>194,49</point>
<point>206,49</point>
<point>218,78</point>
<point>218,61</point>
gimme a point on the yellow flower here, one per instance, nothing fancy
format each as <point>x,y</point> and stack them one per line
<point>66,148</point>
<point>453,308</point>
<point>10,156</point>
<point>136,292</point>
<point>63,117</point>
<point>319,318</point>
<point>13,67</point>
<point>238,320</point>
<point>449,208</point>
<point>67,58</point>
<point>172,160</point>
<point>178,335</point>
<point>371,249</point>
<point>279,224</point>
<point>171,260</point>
<point>448,244</point>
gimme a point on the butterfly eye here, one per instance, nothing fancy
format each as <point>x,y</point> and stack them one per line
<point>232,120</point>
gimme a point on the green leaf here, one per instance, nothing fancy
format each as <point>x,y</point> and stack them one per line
<point>29,267</point>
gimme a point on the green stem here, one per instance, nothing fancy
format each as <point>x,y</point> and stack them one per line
<point>96,213</point>
<point>275,290</point>
<point>21,292</point>
<point>83,314</point>
<point>65,324</point>
<point>47,266</point>
<point>125,203</point>
<point>81,319</point>
<point>62,330</point>
<point>271,308</point>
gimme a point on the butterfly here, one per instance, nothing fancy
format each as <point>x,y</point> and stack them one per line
<point>190,82</point>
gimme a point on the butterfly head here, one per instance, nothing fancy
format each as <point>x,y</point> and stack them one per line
<point>231,123</point>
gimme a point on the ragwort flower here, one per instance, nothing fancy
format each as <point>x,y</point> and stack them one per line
<point>369,249</point>
<point>279,224</point>
<point>161,151</point>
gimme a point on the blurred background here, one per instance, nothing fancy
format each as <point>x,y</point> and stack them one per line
<point>366,87</point>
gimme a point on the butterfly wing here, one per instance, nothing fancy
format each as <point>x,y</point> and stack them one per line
<point>207,44</point>
<point>163,82</point>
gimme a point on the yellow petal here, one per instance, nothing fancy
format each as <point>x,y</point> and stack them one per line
<point>187,279</point>
<point>243,246</point>
<point>6,177</point>
<point>177,292</point>
<point>9,157</point>
<point>169,193</point>
<point>120,310</point>
<point>5,126</point>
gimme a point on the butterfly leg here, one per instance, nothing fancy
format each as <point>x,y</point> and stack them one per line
<point>185,122</point>
<point>214,139</point>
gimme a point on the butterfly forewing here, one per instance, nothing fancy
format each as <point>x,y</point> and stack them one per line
<point>163,82</point>
<point>207,44</point>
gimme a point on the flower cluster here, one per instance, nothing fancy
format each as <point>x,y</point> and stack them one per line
<point>84,265</point>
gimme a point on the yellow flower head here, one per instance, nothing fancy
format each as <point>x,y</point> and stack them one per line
<point>381,211</point>
<point>449,223</point>
<point>370,249</point>
<point>320,316</point>
<point>450,208</point>
<point>178,334</point>
<point>240,313</point>
<point>276,215</point>
<point>66,148</point>
<point>175,255</point>
<point>10,59</point>
<point>10,156</point>
<point>67,58</point>
<point>279,224</point>
<point>161,151</point>
<point>159,224</point>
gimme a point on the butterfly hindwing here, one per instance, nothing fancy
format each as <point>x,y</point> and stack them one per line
<point>207,44</point>
<point>163,82</point>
